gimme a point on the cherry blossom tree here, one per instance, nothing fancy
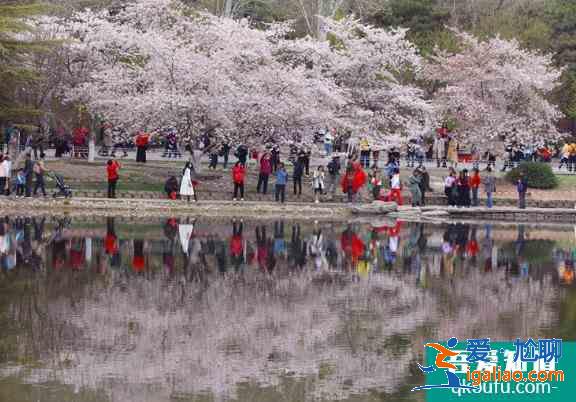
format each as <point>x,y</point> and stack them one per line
<point>155,64</point>
<point>376,69</point>
<point>495,89</point>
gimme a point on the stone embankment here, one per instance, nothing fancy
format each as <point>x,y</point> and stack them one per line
<point>144,208</point>
<point>369,212</point>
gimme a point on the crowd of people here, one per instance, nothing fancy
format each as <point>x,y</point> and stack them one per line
<point>28,181</point>
<point>349,165</point>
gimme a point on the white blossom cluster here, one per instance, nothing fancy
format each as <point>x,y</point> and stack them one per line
<point>157,63</point>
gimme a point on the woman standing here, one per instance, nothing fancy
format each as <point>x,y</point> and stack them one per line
<point>142,140</point>
<point>449,187</point>
<point>265,172</point>
<point>186,184</point>
<point>396,187</point>
<point>453,152</point>
<point>318,183</point>
<point>2,174</point>
<point>238,175</point>
<point>6,173</point>
<point>365,153</point>
<point>112,169</point>
<point>414,185</point>
<point>489,186</point>
<point>463,184</point>
<point>475,182</point>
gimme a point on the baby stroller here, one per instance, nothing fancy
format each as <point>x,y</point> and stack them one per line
<point>63,189</point>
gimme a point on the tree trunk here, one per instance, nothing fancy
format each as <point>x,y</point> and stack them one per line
<point>91,148</point>
<point>228,8</point>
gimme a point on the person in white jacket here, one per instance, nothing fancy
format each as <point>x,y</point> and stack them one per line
<point>318,183</point>
<point>5,174</point>
<point>186,185</point>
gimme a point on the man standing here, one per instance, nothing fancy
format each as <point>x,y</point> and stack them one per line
<point>242,154</point>
<point>522,188</point>
<point>8,134</point>
<point>39,170</point>
<point>297,176</point>
<point>28,173</point>
<point>265,171</point>
<point>281,180</point>
<point>328,142</point>
<point>475,181</point>
<point>489,186</point>
<point>333,175</point>
<point>440,150</point>
<point>225,152</point>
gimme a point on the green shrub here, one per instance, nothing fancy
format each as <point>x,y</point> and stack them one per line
<point>539,175</point>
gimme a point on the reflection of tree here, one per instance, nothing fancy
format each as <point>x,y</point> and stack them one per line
<point>200,325</point>
<point>497,307</point>
<point>223,330</point>
<point>241,327</point>
<point>534,251</point>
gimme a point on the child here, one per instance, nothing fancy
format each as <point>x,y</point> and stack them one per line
<point>20,183</point>
<point>318,183</point>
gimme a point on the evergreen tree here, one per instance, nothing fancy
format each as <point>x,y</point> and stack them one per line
<point>15,71</point>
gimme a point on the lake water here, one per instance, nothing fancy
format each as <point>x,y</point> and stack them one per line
<point>216,310</point>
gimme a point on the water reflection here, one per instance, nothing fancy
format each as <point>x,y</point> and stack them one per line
<point>186,307</point>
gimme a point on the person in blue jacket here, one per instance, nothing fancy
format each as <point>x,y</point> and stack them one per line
<point>281,181</point>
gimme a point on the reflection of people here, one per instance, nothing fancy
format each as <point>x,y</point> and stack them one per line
<point>316,248</point>
<point>522,188</point>
<point>58,251</point>
<point>261,247</point>
<point>279,242</point>
<point>111,243</point>
<point>170,229</point>
<point>77,253</point>
<point>112,171</point>
<point>352,246</point>
<point>237,244</point>
<point>186,232</point>
<point>297,248</point>
<point>220,254</point>
<point>139,259</point>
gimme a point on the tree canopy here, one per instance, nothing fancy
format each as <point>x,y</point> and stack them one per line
<point>257,67</point>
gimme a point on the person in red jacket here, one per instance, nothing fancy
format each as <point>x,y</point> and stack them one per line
<point>265,171</point>
<point>353,180</point>
<point>112,169</point>
<point>475,182</point>
<point>141,141</point>
<point>238,175</point>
